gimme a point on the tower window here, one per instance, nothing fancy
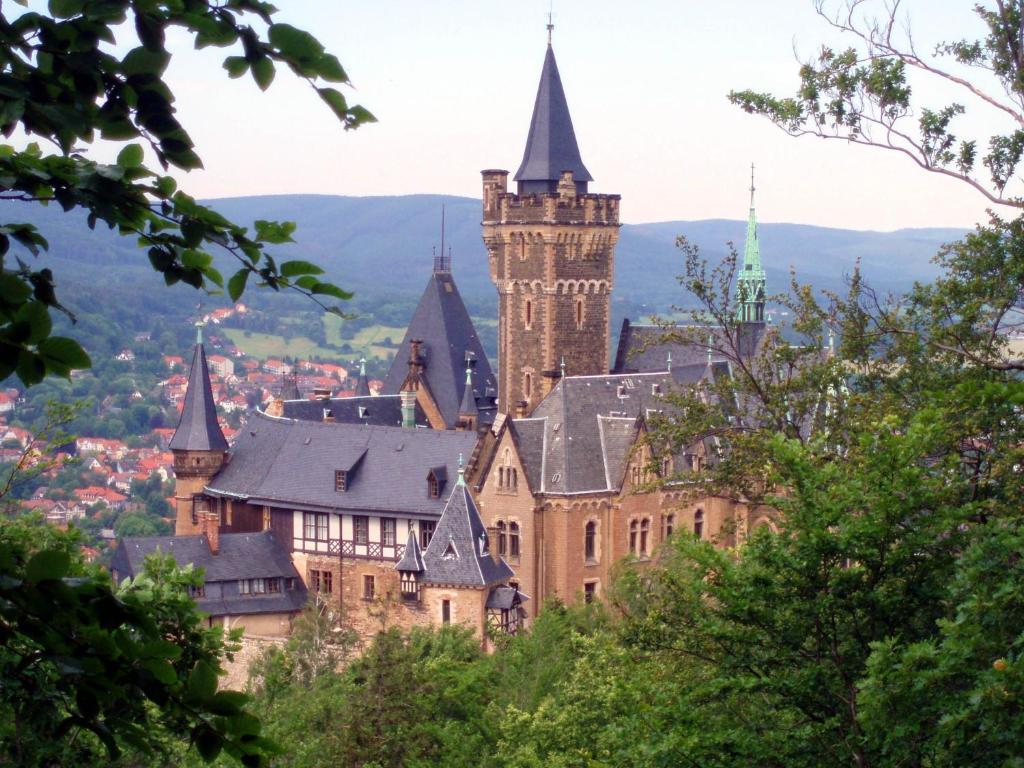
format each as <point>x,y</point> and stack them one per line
<point>446,611</point>
<point>528,386</point>
<point>698,523</point>
<point>502,543</point>
<point>579,314</point>
<point>528,314</point>
<point>513,539</point>
<point>590,542</point>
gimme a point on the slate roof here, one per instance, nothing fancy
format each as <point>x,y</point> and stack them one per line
<point>551,145</point>
<point>412,559</point>
<point>241,556</point>
<point>442,323</point>
<point>579,438</point>
<point>198,429</point>
<point>287,462</point>
<point>505,598</point>
<point>640,349</point>
<point>458,551</point>
<point>381,411</point>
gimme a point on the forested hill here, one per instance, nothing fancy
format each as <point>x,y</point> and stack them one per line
<point>382,246</point>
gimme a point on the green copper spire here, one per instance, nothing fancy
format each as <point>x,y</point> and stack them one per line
<point>750,283</point>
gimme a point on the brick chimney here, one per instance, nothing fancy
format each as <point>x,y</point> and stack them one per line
<point>492,543</point>
<point>211,528</point>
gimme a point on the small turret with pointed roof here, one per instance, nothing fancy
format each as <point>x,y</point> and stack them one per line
<point>198,443</point>
<point>362,385</point>
<point>459,554</point>
<point>468,411</point>
<point>551,147</point>
<point>750,283</point>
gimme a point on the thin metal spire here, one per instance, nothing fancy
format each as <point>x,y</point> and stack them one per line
<point>551,24</point>
<point>752,187</point>
<point>442,260</point>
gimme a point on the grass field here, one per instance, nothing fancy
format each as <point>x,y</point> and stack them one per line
<point>264,345</point>
<point>366,340</point>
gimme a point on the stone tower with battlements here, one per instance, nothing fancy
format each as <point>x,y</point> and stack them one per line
<point>551,248</point>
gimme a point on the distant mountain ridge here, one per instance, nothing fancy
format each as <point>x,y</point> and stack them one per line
<point>382,246</point>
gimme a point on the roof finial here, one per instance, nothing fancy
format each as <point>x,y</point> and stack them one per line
<point>442,261</point>
<point>362,366</point>
<point>668,362</point>
<point>561,366</point>
<point>469,373</point>
<point>462,472</point>
<point>711,340</point>
<point>199,331</point>
<point>551,25</point>
<point>752,185</point>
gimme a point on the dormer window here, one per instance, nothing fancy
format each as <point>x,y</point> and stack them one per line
<point>340,480</point>
<point>435,482</point>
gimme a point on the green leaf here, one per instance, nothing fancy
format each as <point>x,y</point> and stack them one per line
<point>161,670</point>
<point>328,289</point>
<point>294,268</point>
<point>295,43</point>
<point>236,285</point>
<point>208,742</point>
<point>65,9</point>
<point>228,703</point>
<point>236,66</point>
<point>193,231</point>
<point>275,232</point>
<point>202,682</point>
<point>48,565</point>
<point>35,315</point>
<point>333,98</point>
<point>64,352</point>
<point>263,72</point>
<point>130,157</point>
<point>143,61</point>
<point>330,69</point>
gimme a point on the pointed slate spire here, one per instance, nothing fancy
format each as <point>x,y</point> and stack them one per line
<point>468,405</point>
<point>459,551</point>
<point>551,145</point>
<point>198,429</point>
<point>750,284</point>
<point>412,560</point>
<point>362,385</point>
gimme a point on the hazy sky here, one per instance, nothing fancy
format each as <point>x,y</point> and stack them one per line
<point>453,82</point>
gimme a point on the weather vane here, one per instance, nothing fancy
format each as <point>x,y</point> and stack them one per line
<point>551,24</point>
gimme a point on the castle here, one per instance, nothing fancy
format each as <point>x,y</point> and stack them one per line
<point>461,495</point>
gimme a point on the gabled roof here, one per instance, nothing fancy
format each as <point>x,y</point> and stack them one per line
<point>579,438</point>
<point>551,145</point>
<point>442,323</point>
<point>240,556</point>
<point>198,429</point>
<point>380,411</point>
<point>284,462</point>
<point>458,552</point>
<point>641,349</point>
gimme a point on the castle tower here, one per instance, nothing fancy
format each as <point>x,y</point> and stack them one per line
<point>551,249</point>
<point>198,446</point>
<point>750,281</point>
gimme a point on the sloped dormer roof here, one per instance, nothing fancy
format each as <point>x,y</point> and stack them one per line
<point>198,429</point>
<point>551,145</point>
<point>443,325</point>
<point>458,552</point>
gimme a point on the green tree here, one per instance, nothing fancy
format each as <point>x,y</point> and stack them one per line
<point>66,82</point>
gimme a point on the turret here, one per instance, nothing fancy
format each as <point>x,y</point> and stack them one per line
<point>362,385</point>
<point>468,412</point>
<point>198,446</point>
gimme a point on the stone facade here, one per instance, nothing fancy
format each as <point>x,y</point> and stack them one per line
<point>551,259</point>
<point>192,471</point>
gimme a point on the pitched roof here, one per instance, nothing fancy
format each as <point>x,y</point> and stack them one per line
<point>381,410</point>
<point>240,556</point>
<point>412,559</point>
<point>278,462</point>
<point>641,349</point>
<point>551,145</point>
<point>458,552</point>
<point>442,323</point>
<point>579,438</point>
<point>198,429</point>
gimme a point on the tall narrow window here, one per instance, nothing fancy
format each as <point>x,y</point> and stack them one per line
<point>433,490</point>
<point>327,582</point>
<point>528,387</point>
<point>590,542</point>
<point>579,314</point>
<point>446,611</point>
<point>369,587</point>
<point>645,531</point>
<point>515,479</point>
<point>340,480</point>
<point>513,539</point>
<point>698,523</point>
<point>426,531</point>
<point>361,529</point>
<point>668,524</point>
<point>388,528</point>
<point>528,314</point>
<point>633,527</point>
<point>502,540</point>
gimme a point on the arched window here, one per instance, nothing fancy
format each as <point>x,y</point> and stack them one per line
<point>698,523</point>
<point>528,314</point>
<point>528,386</point>
<point>515,479</point>
<point>590,542</point>
<point>501,537</point>
<point>579,314</point>
<point>645,531</point>
<point>633,527</point>
<point>513,539</point>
